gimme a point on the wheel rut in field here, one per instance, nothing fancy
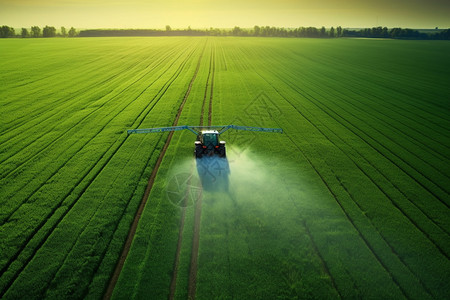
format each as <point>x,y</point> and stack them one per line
<point>102,162</point>
<point>335,196</point>
<point>195,239</point>
<point>389,197</point>
<point>360,233</point>
<point>192,287</point>
<point>68,132</point>
<point>133,228</point>
<point>173,282</point>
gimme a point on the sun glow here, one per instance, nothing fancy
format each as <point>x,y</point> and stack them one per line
<point>204,14</point>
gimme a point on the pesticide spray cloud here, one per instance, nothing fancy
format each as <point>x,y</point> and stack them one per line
<point>243,177</point>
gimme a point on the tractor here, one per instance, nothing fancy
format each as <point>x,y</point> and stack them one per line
<point>208,141</point>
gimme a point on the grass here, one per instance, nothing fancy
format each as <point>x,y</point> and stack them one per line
<point>350,201</point>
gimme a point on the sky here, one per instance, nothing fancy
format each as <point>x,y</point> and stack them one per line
<point>225,14</point>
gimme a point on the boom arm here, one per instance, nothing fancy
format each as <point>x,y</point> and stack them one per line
<point>249,128</point>
<point>161,129</point>
<point>196,129</point>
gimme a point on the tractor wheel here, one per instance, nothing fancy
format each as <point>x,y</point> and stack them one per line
<point>222,152</point>
<point>198,154</point>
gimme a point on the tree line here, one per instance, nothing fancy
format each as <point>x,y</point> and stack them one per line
<point>36,32</point>
<point>398,33</point>
<point>257,31</point>
<point>267,31</point>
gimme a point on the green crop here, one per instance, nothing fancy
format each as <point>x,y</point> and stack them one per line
<point>350,201</point>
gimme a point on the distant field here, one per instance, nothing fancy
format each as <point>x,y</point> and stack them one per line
<point>351,201</point>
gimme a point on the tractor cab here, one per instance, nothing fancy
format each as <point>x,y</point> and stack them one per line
<point>208,143</point>
<point>209,138</point>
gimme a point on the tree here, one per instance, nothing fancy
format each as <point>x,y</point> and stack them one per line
<point>312,32</point>
<point>323,32</point>
<point>25,33</point>
<point>443,35</point>
<point>395,32</point>
<point>331,33</point>
<point>6,32</point>
<point>214,31</point>
<point>339,31</point>
<point>256,30</point>
<point>265,30</point>
<point>49,31</point>
<point>35,31</point>
<point>236,31</point>
<point>63,31</point>
<point>72,32</point>
<point>168,28</point>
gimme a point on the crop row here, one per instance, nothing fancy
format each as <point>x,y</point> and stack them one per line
<point>99,187</point>
<point>165,228</point>
<point>351,201</point>
<point>431,229</point>
<point>393,220</point>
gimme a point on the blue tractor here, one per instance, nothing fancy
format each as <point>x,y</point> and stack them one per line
<point>208,141</point>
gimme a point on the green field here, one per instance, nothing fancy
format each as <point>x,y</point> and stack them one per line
<point>351,201</point>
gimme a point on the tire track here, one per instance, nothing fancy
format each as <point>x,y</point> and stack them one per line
<point>127,245</point>
<point>177,255</point>
<point>419,182</point>
<point>205,95</point>
<point>173,283</point>
<point>151,104</point>
<point>148,107</point>
<point>380,81</point>
<point>212,87</point>
<point>373,226</point>
<point>192,285</point>
<point>387,138</point>
<point>418,105</point>
<point>121,219</point>
<point>349,219</point>
<point>82,77</point>
<point>125,209</point>
<point>74,104</point>
<point>357,106</point>
<point>68,133</point>
<point>401,109</point>
<point>55,74</point>
<point>309,98</point>
<point>325,266</point>
<point>32,118</point>
<point>40,87</point>
<point>315,247</point>
<point>404,292</point>
<point>345,212</point>
<point>371,179</point>
<point>372,97</point>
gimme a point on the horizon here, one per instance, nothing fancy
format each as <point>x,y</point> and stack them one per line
<point>202,14</point>
<point>58,28</point>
